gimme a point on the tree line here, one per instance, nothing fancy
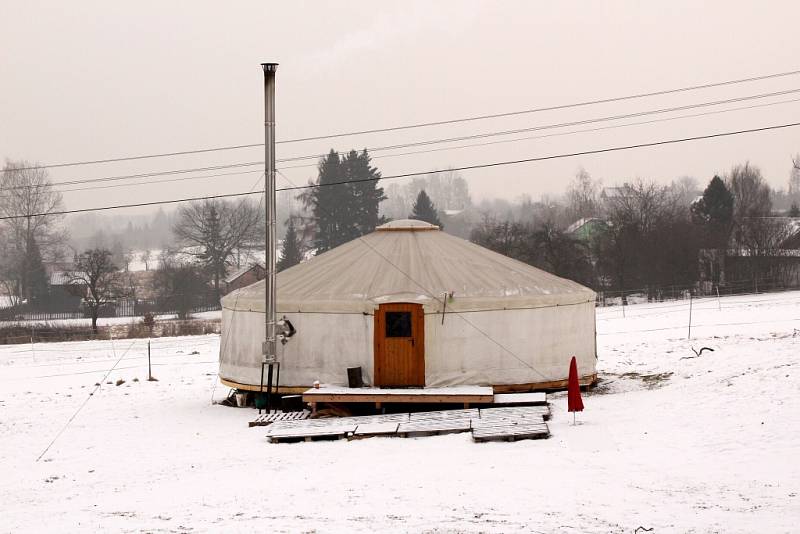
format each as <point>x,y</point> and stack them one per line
<point>637,235</point>
<point>646,236</point>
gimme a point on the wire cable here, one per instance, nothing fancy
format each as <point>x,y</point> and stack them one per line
<point>484,135</point>
<point>427,151</point>
<point>429,142</point>
<point>442,302</point>
<point>420,173</point>
<point>551,157</point>
<point>428,124</point>
<point>74,415</point>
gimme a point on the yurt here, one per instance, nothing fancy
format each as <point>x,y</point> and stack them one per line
<point>414,307</point>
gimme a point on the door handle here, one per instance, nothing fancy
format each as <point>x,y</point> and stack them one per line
<point>412,341</point>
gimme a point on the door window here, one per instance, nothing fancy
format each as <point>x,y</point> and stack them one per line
<point>398,324</point>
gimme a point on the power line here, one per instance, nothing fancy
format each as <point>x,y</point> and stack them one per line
<point>469,145</point>
<point>572,132</point>
<point>550,108</point>
<point>658,111</point>
<point>449,140</point>
<point>150,182</point>
<point>551,157</point>
<point>426,124</point>
<point>420,173</point>
<point>141,175</point>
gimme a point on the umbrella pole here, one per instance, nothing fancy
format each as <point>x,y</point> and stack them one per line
<point>573,419</point>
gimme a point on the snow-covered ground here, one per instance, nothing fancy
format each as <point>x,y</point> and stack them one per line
<point>668,441</point>
<point>109,321</point>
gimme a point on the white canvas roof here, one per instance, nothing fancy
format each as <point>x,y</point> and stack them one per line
<point>410,261</point>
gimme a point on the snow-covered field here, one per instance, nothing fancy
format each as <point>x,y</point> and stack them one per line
<point>668,441</point>
<point>109,321</point>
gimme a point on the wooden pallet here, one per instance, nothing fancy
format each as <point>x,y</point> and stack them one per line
<point>486,424</point>
<point>433,427</point>
<point>268,418</point>
<point>310,433</point>
<point>370,419</point>
<point>510,432</point>
<point>516,412</point>
<point>369,430</point>
<point>331,428</point>
<point>470,413</point>
<point>511,423</point>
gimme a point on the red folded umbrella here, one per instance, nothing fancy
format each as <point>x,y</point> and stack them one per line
<point>574,400</point>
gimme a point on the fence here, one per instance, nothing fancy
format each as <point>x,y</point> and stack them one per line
<point>685,292</point>
<point>176,304</point>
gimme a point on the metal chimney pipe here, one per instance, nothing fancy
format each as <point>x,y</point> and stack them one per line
<point>269,348</point>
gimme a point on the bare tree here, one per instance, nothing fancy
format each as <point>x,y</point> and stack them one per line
<point>98,279</point>
<point>506,237</point>
<point>144,257</point>
<point>28,197</point>
<point>751,194</point>
<point>562,254</point>
<point>213,231</point>
<point>687,189</point>
<point>180,285</point>
<point>794,179</point>
<point>648,239</point>
<point>583,195</point>
<point>8,270</point>
<point>127,258</point>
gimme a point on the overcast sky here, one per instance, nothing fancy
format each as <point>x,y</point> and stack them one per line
<point>91,80</point>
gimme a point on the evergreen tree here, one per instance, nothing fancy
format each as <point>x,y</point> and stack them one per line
<point>292,249</point>
<point>424,210</point>
<point>714,210</point>
<point>366,196</point>
<point>35,274</point>
<point>344,212</point>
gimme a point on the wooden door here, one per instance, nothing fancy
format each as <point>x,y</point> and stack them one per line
<point>399,345</point>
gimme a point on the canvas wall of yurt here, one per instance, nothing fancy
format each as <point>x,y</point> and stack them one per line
<point>414,307</point>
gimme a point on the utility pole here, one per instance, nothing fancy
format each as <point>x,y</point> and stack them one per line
<point>269,348</point>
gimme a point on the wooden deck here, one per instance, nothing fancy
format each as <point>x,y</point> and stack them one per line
<point>465,395</point>
<point>486,424</point>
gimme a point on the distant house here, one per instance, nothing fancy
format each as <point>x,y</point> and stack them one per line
<point>65,293</point>
<point>244,276</point>
<point>763,248</point>
<point>613,193</point>
<point>587,229</point>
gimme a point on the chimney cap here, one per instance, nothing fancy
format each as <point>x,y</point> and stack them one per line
<point>269,67</point>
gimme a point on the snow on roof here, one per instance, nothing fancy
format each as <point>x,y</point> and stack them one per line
<point>63,278</point>
<point>406,224</point>
<point>410,265</point>
<point>574,227</point>
<point>239,272</point>
<point>613,192</point>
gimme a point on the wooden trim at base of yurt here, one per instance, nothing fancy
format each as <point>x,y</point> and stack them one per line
<point>500,388</point>
<point>539,386</point>
<point>282,390</point>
